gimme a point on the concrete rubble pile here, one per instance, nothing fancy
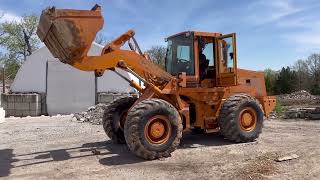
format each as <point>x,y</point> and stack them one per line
<point>93,114</point>
<point>298,97</point>
<point>303,94</point>
<point>273,115</point>
<point>300,105</point>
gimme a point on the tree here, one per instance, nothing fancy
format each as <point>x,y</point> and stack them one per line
<point>286,82</point>
<point>157,54</point>
<point>101,39</point>
<point>314,66</point>
<point>270,77</point>
<point>303,74</point>
<point>11,68</point>
<point>19,38</point>
<point>1,31</point>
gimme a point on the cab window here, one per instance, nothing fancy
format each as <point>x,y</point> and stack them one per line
<point>227,54</point>
<point>180,56</point>
<point>208,52</point>
<point>183,59</point>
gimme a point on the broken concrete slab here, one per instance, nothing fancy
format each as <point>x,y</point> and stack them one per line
<point>303,113</point>
<point>287,157</point>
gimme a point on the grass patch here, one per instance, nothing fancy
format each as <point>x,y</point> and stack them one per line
<point>279,108</point>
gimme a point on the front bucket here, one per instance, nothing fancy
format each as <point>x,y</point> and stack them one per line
<point>67,33</point>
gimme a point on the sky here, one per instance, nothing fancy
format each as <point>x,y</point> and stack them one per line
<point>270,33</point>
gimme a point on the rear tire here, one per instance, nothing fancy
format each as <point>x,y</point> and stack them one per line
<point>153,129</point>
<point>114,117</point>
<point>241,118</point>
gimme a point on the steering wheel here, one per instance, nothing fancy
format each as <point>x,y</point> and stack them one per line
<point>183,65</point>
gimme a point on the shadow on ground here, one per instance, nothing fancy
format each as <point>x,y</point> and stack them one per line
<point>108,153</point>
<point>194,140</point>
<point>6,160</point>
<point>191,140</point>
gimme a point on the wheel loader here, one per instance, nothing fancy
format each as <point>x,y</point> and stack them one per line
<point>201,88</point>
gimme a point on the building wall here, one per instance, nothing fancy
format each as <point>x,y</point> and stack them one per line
<point>114,82</point>
<point>31,77</point>
<point>68,89</point>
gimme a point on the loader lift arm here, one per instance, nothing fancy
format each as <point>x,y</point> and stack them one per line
<point>68,34</point>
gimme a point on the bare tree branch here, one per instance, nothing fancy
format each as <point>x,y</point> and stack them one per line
<point>157,55</point>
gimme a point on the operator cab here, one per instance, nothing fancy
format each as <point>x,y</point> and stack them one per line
<point>180,55</point>
<point>205,59</point>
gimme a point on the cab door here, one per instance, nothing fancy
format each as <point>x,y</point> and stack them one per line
<point>226,63</point>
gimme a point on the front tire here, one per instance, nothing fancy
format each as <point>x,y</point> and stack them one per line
<point>241,118</point>
<point>114,118</point>
<point>153,129</point>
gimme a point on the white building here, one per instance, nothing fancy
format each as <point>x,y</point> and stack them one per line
<point>67,89</point>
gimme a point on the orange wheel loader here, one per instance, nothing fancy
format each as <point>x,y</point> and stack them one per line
<point>201,87</point>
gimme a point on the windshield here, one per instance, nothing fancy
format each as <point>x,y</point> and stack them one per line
<point>179,57</point>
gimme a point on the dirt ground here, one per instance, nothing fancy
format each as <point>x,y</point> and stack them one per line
<point>57,148</point>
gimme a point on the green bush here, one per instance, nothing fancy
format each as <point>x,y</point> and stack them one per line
<point>315,89</point>
<point>278,109</point>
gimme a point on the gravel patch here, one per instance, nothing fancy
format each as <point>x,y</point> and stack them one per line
<point>57,148</point>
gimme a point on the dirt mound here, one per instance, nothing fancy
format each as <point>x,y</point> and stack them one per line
<point>93,114</point>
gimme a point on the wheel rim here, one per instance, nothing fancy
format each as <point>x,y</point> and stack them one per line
<point>248,119</point>
<point>157,130</point>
